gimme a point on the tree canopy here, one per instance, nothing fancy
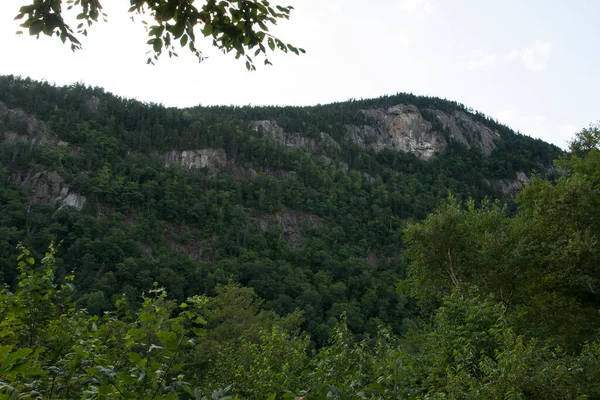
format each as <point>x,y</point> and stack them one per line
<point>331,273</point>
<point>238,26</point>
<point>316,230</point>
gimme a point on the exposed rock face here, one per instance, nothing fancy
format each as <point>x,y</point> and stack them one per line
<point>272,130</point>
<point>404,128</point>
<point>249,172</point>
<point>510,187</point>
<point>465,130</point>
<point>16,126</point>
<point>73,200</point>
<point>50,188</point>
<point>93,104</point>
<point>213,159</point>
<point>400,128</point>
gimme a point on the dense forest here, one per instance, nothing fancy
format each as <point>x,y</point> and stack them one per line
<point>197,254</point>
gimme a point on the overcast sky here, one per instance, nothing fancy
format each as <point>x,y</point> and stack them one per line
<point>532,64</point>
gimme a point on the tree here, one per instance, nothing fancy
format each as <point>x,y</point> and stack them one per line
<point>241,26</point>
<point>540,264</point>
<point>457,246</point>
<point>586,140</point>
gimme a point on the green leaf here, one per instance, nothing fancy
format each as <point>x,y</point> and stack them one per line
<point>199,332</point>
<point>36,28</point>
<point>157,45</point>
<point>167,14</point>
<point>177,30</point>
<point>134,357</point>
<point>147,317</point>
<point>168,339</point>
<point>184,40</point>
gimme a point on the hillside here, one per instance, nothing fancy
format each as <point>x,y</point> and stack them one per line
<point>305,205</point>
<point>367,249</point>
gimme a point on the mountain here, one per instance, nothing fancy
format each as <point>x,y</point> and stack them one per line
<point>305,205</point>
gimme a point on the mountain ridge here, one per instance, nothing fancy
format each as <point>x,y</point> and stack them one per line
<point>279,199</point>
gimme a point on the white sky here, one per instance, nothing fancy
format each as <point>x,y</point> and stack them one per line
<point>532,64</point>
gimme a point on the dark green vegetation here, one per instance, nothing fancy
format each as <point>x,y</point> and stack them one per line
<point>318,232</point>
<point>239,26</point>
<point>493,301</point>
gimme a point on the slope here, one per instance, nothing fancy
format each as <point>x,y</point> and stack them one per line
<point>305,205</point>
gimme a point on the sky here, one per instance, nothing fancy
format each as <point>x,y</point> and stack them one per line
<point>532,65</point>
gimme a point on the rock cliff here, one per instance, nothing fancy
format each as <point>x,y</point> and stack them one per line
<point>424,133</point>
<point>272,130</point>
<point>462,128</point>
<point>510,187</point>
<point>50,188</point>
<point>404,128</point>
<point>16,126</point>
<point>213,159</point>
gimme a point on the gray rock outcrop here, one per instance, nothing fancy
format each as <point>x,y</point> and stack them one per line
<point>274,131</point>
<point>213,159</point>
<point>462,128</point>
<point>400,128</point>
<point>404,128</point>
<point>93,104</point>
<point>16,126</point>
<point>510,187</point>
<point>50,188</point>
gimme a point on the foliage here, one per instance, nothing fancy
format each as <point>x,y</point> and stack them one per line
<point>236,25</point>
<point>257,370</point>
<point>319,232</point>
<point>51,349</point>
<point>262,255</point>
<point>471,352</point>
<point>586,140</point>
<point>540,264</point>
<point>468,351</point>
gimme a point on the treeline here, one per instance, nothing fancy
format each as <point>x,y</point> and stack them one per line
<point>143,127</point>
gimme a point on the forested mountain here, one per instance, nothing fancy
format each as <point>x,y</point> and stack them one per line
<point>303,204</point>
<point>399,247</point>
